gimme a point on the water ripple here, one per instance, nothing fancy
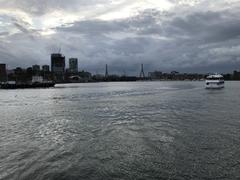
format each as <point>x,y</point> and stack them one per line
<point>142,130</point>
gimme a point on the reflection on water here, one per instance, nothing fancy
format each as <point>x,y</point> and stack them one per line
<point>141,130</point>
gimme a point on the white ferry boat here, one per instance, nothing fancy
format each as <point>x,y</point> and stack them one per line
<point>215,81</point>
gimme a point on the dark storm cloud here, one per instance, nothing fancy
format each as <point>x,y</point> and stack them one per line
<point>168,43</point>
<point>138,24</point>
<point>198,40</point>
<point>208,26</point>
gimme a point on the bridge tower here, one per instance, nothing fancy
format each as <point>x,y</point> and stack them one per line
<point>142,74</point>
<point>106,71</point>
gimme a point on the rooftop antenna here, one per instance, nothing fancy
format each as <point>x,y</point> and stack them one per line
<point>142,74</point>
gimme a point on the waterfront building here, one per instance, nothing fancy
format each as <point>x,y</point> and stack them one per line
<point>236,75</point>
<point>155,75</point>
<point>45,68</point>
<point>37,79</point>
<point>73,65</point>
<point>58,67</point>
<point>3,73</point>
<point>46,72</point>
<point>19,75</point>
<point>36,68</point>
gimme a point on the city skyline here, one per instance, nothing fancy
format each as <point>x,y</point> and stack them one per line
<point>68,66</point>
<point>187,36</point>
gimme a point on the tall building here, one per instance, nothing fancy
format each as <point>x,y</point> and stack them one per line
<point>58,67</point>
<point>36,69</point>
<point>3,73</point>
<point>73,65</point>
<point>46,73</point>
<point>45,68</point>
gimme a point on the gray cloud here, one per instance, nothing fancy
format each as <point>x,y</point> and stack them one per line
<point>40,7</point>
<point>194,40</point>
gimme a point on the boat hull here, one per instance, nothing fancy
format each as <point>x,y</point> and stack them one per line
<point>214,85</point>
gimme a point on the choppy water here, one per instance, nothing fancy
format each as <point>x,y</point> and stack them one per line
<point>141,130</point>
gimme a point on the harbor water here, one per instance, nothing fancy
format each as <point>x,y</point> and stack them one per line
<point>127,130</point>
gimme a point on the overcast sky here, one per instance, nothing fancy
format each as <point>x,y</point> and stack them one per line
<point>165,35</point>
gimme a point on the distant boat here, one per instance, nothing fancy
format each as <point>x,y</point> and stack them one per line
<point>215,81</point>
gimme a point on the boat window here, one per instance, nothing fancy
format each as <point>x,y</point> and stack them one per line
<point>214,78</point>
